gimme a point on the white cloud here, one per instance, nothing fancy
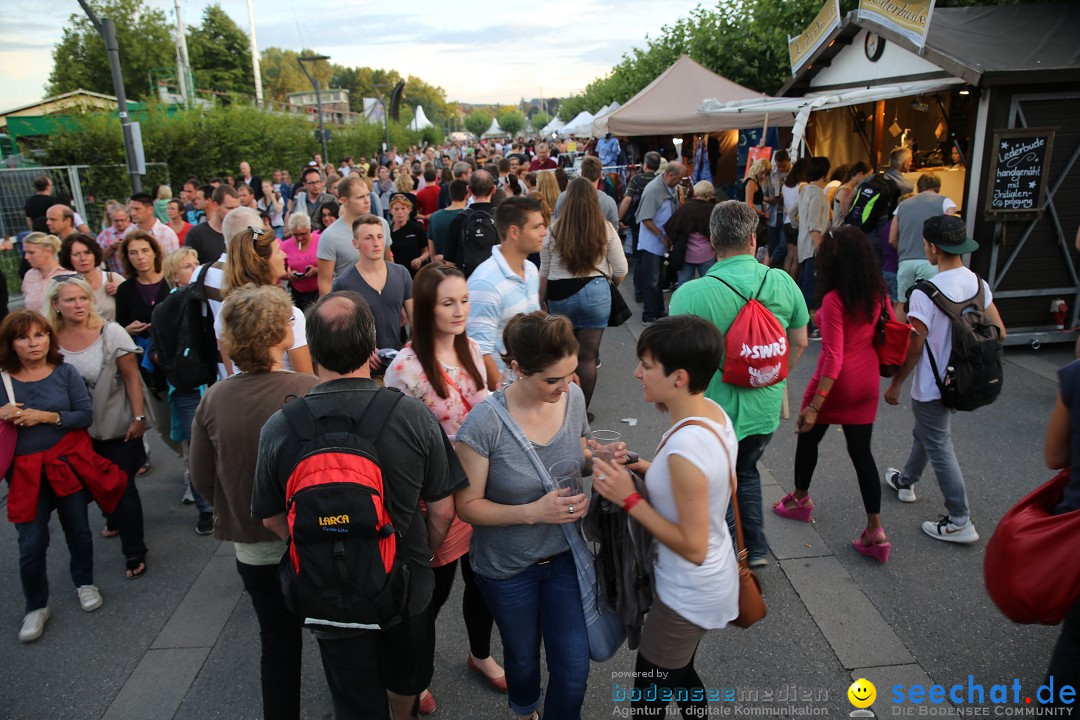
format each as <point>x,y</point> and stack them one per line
<point>554,48</point>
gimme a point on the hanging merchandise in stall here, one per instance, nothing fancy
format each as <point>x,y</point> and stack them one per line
<point>751,147</point>
<point>1018,171</point>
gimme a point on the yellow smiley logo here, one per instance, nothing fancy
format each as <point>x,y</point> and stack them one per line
<point>862,693</point>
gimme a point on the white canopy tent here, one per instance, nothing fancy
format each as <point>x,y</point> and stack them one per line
<point>754,112</point>
<point>553,126</point>
<point>580,125</point>
<point>420,120</point>
<point>494,130</point>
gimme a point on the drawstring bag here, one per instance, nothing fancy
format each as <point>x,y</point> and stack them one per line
<point>9,434</point>
<point>1030,569</point>
<point>755,346</point>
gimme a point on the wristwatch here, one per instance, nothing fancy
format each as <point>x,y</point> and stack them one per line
<point>59,420</point>
<point>139,417</point>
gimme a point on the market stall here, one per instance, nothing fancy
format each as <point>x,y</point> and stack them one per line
<point>988,98</point>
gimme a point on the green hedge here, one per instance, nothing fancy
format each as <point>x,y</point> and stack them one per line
<point>212,143</point>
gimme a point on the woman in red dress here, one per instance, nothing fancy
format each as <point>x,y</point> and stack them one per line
<point>845,387</point>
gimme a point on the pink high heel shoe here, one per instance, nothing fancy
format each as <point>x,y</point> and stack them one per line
<point>878,548</point>
<point>803,510</point>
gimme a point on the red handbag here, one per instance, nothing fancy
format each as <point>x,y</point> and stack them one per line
<point>1031,569</point>
<point>891,340</point>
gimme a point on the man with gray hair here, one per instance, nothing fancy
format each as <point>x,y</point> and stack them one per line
<point>718,297</point>
<point>658,202</point>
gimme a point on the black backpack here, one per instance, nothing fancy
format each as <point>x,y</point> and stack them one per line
<point>182,330</point>
<point>872,204</point>
<point>975,371</point>
<point>343,568</point>
<point>478,236</point>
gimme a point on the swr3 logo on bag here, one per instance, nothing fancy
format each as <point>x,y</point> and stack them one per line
<point>774,349</point>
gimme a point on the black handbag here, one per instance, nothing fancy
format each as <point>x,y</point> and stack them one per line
<point>620,311</point>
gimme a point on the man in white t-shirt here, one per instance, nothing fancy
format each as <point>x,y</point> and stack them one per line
<point>945,242</point>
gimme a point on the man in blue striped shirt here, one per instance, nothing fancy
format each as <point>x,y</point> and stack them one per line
<point>506,283</point>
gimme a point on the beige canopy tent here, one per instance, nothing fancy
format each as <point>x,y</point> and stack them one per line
<point>669,104</point>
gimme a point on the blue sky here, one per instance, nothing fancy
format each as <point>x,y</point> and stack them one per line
<point>504,52</point>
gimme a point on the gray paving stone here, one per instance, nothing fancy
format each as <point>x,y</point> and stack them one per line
<point>158,685</point>
<point>226,549</point>
<point>789,539</point>
<point>854,628</point>
<point>205,609</point>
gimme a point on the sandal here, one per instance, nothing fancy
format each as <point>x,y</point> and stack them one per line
<point>145,469</point>
<point>874,546</point>
<point>108,532</point>
<point>803,509</point>
<point>134,563</point>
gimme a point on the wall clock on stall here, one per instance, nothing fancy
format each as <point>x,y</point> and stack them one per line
<point>873,46</point>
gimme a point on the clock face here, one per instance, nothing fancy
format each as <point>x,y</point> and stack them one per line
<point>873,46</point>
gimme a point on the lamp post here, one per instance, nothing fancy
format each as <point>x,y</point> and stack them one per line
<point>318,97</point>
<point>107,31</point>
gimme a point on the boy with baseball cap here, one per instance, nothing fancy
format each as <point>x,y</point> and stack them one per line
<point>945,241</point>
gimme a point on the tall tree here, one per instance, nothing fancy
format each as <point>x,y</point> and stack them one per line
<point>512,122</point>
<point>478,121</point>
<point>146,48</point>
<point>220,54</point>
<point>281,73</point>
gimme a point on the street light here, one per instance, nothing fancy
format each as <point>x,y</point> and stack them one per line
<point>318,98</point>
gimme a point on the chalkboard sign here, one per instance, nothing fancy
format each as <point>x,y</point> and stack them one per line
<point>1018,170</point>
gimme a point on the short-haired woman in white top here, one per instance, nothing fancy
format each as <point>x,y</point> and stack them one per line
<point>689,488</point>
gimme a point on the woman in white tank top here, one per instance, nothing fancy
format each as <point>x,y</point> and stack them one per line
<point>689,487</point>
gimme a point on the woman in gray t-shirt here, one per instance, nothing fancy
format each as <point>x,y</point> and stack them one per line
<point>522,560</point>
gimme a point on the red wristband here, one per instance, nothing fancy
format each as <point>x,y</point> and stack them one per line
<point>631,500</point>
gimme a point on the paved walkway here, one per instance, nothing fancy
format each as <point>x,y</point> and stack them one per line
<point>183,641</point>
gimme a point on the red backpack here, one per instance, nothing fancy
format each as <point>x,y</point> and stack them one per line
<point>755,346</point>
<point>342,568</point>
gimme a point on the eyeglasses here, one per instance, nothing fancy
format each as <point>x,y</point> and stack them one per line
<point>257,231</point>
<point>68,278</point>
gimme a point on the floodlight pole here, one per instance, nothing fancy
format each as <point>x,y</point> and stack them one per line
<point>107,31</point>
<point>318,100</point>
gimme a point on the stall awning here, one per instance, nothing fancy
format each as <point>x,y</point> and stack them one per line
<point>825,101</point>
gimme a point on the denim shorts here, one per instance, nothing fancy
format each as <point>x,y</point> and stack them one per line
<point>588,308</point>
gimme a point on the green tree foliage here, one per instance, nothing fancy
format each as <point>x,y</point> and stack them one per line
<point>143,35</point>
<point>281,73</point>
<point>220,54</point>
<point>743,40</point>
<point>362,82</point>
<point>539,120</point>
<point>478,121</point>
<point>512,122</point>
<point>205,144</point>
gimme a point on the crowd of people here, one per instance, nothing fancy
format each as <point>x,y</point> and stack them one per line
<point>477,283</point>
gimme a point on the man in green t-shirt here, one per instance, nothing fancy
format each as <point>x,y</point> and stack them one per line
<point>439,225</point>
<point>755,412</point>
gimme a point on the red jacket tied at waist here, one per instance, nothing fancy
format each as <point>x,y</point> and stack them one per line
<point>69,465</point>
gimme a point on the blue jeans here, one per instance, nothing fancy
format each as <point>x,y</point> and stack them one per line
<point>34,543</point>
<point>808,281</point>
<point>686,274</point>
<point>184,405</point>
<point>933,445</point>
<point>651,292</point>
<point>542,601</point>
<point>589,308</point>
<point>751,449</point>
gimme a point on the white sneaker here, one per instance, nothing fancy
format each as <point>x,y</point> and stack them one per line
<point>33,625</point>
<point>943,529</point>
<point>89,597</point>
<point>903,494</point>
